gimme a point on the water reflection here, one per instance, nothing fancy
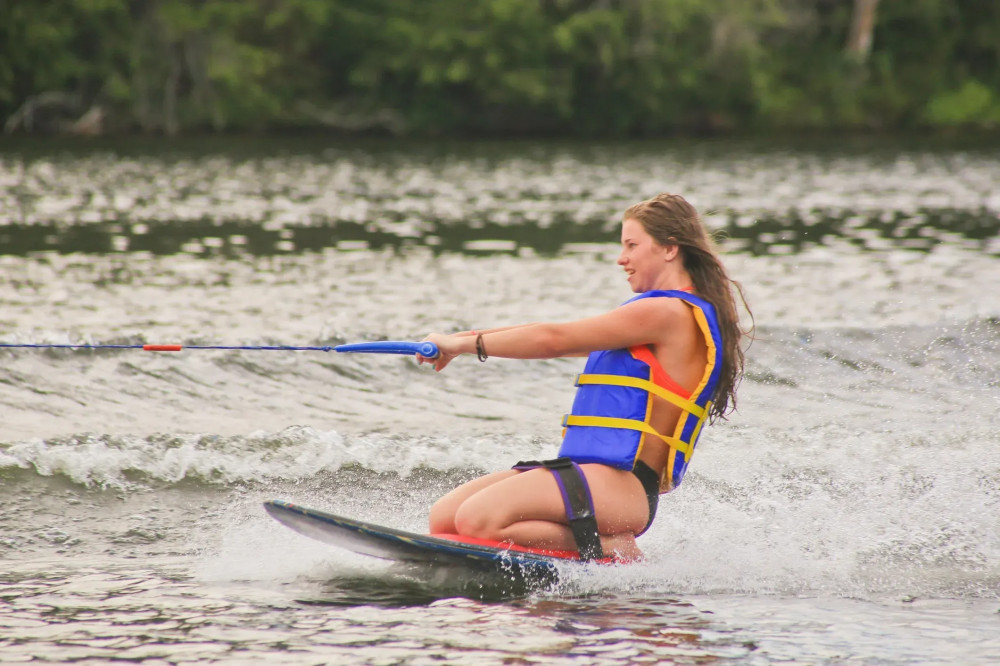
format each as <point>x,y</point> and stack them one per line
<point>790,233</point>
<point>920,231</point>
<point>225,199</point>
<point>670,629</point>
<point>408,584</point>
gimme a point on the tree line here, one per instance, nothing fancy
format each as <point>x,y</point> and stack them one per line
<point>603,68</point>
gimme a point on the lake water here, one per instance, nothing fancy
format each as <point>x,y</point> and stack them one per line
<point>849,512</point>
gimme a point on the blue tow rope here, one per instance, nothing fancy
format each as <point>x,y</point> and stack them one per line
<point>425,349</point>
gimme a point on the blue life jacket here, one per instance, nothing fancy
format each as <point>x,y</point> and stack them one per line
<point>611,414</point>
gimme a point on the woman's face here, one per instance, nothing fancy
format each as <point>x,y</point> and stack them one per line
<point>642,257</point>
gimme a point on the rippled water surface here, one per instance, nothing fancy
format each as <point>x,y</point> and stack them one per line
<point>847,513</point>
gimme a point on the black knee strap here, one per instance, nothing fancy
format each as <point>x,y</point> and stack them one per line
<point>578,502</point>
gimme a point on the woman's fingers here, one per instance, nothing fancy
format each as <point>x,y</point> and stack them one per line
<point>445,344</point>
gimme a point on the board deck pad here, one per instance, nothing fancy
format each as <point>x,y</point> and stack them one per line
<point>429,549</point>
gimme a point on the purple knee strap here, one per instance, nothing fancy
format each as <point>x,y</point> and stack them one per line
<point>577,500</point>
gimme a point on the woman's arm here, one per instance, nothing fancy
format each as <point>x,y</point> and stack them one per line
<point>646,321</point>
<point>484,331</point>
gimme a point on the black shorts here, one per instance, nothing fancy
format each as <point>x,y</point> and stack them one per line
<point>650,481</point>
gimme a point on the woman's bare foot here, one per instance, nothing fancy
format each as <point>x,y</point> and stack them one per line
<point>622,547</point>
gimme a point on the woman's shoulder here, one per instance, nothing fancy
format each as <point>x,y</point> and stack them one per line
<point>657,305</point>
<point>681,300</point>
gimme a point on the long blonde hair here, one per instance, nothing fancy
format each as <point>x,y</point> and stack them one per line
<point>671,220</point>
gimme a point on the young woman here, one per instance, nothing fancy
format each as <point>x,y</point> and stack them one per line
<point>659,367</point>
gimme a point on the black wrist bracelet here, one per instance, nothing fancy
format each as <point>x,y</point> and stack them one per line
<point>480,349</point>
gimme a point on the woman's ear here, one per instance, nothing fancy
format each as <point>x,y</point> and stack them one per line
<point>670,252</point>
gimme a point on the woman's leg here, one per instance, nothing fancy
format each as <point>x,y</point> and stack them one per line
<point>528,509</point>
<point>442,518</point>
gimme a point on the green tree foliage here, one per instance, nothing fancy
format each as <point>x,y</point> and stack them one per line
<point>580,67</point>
<point>58,48</point>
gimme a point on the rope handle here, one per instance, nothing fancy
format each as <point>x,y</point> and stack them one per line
<point>425,349</point>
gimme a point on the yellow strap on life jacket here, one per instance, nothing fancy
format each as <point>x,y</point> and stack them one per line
<point>626,424</point>
<point>645,385</point>
<point>701,422</point>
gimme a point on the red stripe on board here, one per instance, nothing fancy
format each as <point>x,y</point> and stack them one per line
<point>507,545</point>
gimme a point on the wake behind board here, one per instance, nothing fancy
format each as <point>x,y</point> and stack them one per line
<point>423,549</point>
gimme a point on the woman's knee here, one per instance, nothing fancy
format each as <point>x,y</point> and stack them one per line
<point>442,517</point>
<point>471,520</point>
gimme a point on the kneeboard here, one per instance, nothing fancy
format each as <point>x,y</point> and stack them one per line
<point>429,549</point>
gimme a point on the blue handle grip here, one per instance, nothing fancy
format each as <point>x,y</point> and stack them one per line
<point>425,349</point>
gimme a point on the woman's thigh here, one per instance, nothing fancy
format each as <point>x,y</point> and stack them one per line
<point>525,496</point>
<point>442,517</point>
<point>619,500</point>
